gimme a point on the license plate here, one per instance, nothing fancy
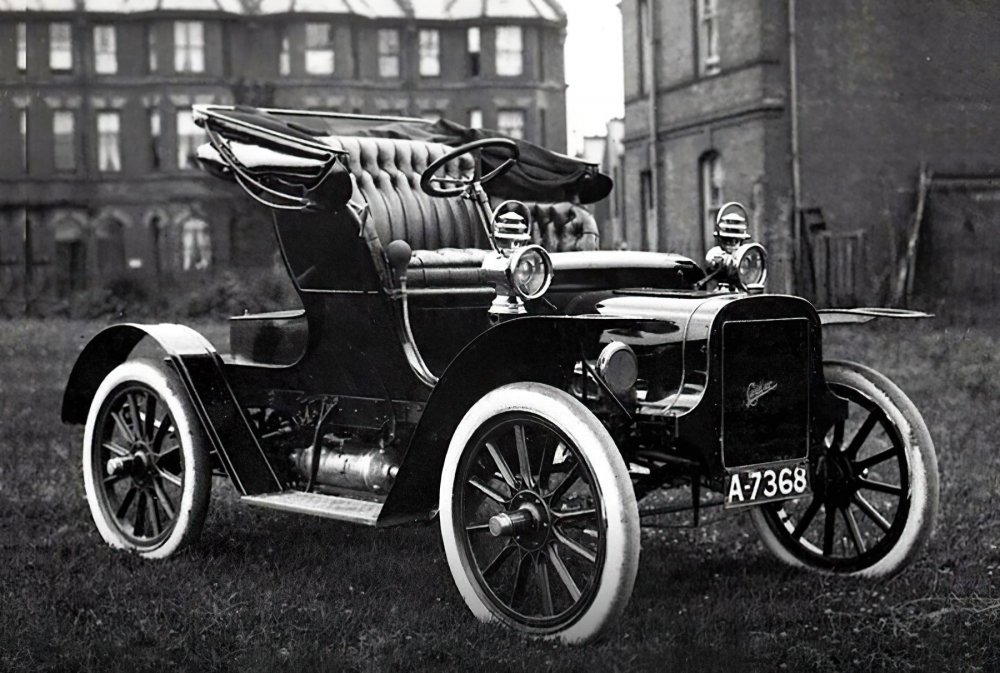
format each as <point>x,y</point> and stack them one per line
<point>767,484</point>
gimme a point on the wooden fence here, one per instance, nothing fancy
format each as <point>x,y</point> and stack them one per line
<point>839,268</point>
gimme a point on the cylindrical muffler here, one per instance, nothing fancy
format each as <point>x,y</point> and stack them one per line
<point>356,467</point>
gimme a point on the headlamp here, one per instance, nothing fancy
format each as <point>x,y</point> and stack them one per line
<point>619,367</point>
<point>530,271</point>
<point>735,261</point>
<point>522,276</point>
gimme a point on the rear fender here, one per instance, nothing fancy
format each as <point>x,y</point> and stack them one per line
<point>201,371</point>
<point>540,349</point>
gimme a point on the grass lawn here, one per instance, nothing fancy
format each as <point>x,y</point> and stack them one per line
<point>266,590</point>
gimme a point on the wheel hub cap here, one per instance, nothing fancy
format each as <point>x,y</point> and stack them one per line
<point>527,521</point>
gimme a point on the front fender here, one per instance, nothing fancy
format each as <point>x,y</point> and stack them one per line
<point>540,349</point>
<point>201,371</point>
<point>857,316</point>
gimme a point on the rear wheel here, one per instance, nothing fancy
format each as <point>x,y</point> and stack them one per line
<point>145,461</point>
<point>538,517</point>
<point>875,486</point>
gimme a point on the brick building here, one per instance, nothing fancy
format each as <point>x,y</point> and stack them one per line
<point>100,181</point>
<point>818,108</point>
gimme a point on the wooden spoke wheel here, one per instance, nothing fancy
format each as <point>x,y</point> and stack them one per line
<point>875,485</point>
<point>146,468</point>
<point>538,516</point>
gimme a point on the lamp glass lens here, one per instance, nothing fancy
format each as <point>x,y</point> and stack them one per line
<point>751,268</point>
<point>528,275</point>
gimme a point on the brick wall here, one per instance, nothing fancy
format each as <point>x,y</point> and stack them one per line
<point>884,86</point>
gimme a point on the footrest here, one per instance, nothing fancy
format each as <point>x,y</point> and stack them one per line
<point>317,504</point>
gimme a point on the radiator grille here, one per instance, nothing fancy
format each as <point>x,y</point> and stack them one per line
<point>765,391</point>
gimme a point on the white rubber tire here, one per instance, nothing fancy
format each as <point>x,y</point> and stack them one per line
<point>605,462</point>
<point>197,479</point>
<point>921,468</point>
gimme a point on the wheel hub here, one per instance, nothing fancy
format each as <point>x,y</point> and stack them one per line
<point>836,475</point>
<point>137,465</point>
<point>527,520</point>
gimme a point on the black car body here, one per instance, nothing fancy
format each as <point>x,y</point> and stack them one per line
<point>489,366</point>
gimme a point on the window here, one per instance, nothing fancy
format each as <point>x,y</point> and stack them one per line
<point>60,46</point>
<point>473,42</point>
<point>153,49</point>
<point>319,49</point>
<point>63,140</point>
<point>647,216</point>
<point>511,123</point>
<point>108,152</point>
<point>189,46</point>
<point>644,47</point>
<point>71,255</point>
<point>196,241</point>
<point>712,179</point>
<point>105,50</point>
<point>109,233</point>
<point>189,136</point>
<point>22,124</point>
<point>22,46</point>
<point>475,118</point>
<point>510,48</point>
<point>285,57</point>
<point>154,138</point>
<point>708,37</point>
<point>430,51</point>
<point>388,53</point>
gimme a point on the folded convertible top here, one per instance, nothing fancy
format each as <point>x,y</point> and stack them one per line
<point>539,175</point>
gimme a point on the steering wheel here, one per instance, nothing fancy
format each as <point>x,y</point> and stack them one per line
<point>436,185</point>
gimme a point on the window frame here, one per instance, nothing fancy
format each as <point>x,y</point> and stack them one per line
<point>186,141</point>
<point>155,130</point>
<point>326,51</point>
<point>475,123</point>
<point>429,51</point>
<point>189,53</point>
<point>504,129</point>
<point>21,40</point>
<point>152,49</point>
<point>196,244</point>
<point>474,50</point>
<point>711,188</point>
<point>389,51</point>
<point>22,129</point>
<point>507,54</point>
<point>55,64</point>
<point>708,38</point>
<point>644,33</point>
<point>109,162</point>
<point>285,55</point>
<point>109,55</point>
<point>68,137</point>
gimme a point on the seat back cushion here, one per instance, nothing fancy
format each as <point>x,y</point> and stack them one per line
<point>387,174</point>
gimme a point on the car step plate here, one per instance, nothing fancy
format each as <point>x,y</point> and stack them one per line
<point>317,504</point>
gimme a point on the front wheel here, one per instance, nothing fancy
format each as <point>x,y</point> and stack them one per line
<point>145,461</point>
<point>538,516</point>
<point>875,485</point>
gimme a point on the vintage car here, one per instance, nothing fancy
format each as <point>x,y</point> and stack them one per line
<point>485,364</point>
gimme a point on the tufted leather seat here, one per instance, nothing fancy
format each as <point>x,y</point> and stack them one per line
<point>446,235</point>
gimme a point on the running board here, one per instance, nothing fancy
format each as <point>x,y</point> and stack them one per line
<point>329,506</point>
